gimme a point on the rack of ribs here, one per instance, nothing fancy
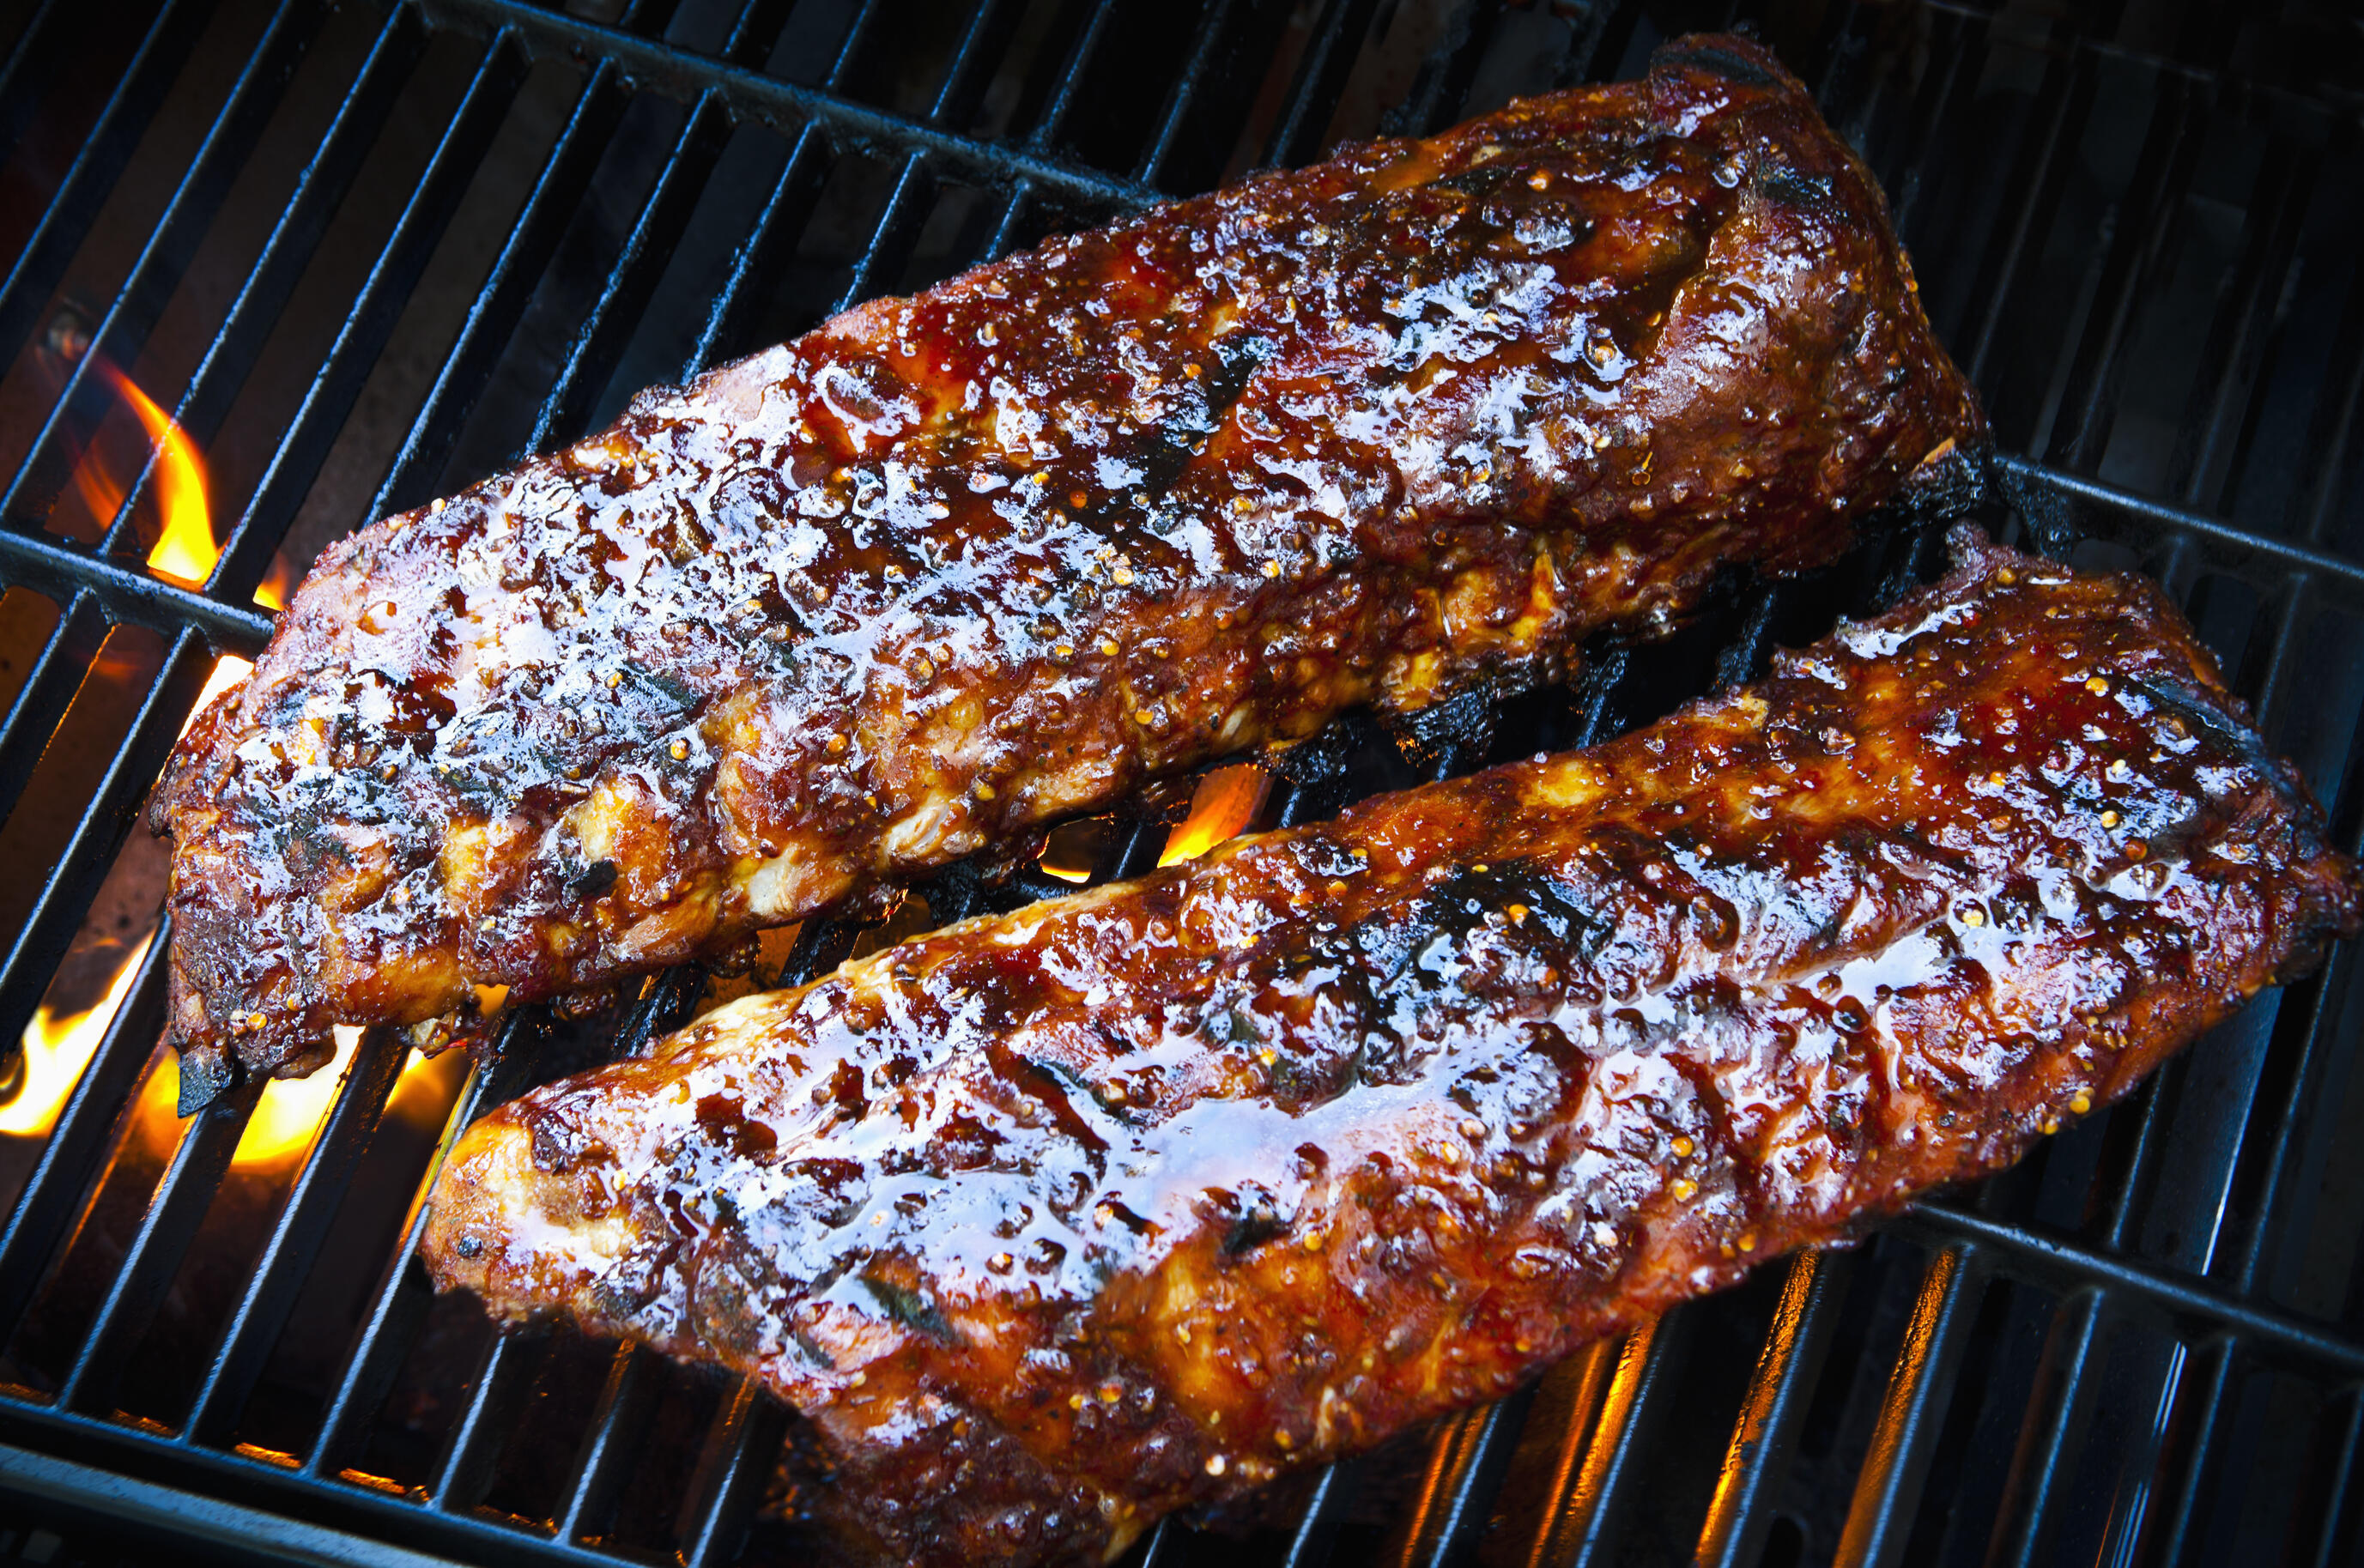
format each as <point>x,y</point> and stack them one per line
<point>1404,425</point>
<point>1054,1222</point>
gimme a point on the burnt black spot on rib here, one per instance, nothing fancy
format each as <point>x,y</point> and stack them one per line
<point>910,1308</point>
<point>1793,185</point>
<point>1252,1229</point>
<point>1722,62</point>
<point>1075,1082</point>
<point>206,1073</point>
<point>2223,729</point>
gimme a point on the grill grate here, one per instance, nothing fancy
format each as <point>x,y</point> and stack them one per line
<point>379,249</point>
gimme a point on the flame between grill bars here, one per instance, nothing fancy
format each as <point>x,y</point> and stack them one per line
<point>357,257</point>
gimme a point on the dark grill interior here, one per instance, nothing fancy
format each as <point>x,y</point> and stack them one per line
<point>365,256</point>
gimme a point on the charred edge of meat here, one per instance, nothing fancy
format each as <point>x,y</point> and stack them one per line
<point>1230,517</point>
<point>1254,1161</point>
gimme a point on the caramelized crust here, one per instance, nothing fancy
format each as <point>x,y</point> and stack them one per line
<point>1054,1222</point>
<point>1406,425</point>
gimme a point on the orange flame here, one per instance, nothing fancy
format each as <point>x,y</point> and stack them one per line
<point>423,1095</point>
<point>1063,872</point>
<point>272,591</point>
<point>185,550</point>
<point>1223,805</point>
<point>286,1118</point>
<point>229,670</point>
<point>96,484</point>
<point>292,1109</point>
<point>57,1049</point>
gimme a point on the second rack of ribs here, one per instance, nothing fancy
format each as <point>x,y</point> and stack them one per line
<point>1054,1221</point>
<point>1406,425</point>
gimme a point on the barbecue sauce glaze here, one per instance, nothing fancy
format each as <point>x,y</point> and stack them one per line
<point>1403,426</point>
<point>1054,1222</point>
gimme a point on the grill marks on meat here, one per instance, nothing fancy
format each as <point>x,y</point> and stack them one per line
<point>1054,1222</point>
<point>1403,426</point>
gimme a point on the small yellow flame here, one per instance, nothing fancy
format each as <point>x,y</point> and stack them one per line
<point>229,670</point>
<point>1223,805</point>
<point>272,591</point>
<point>58,1049</point>
<point>292,1109</point>
<point>186,550</point>
<point>423,1095</point>
<point>1068,852</point>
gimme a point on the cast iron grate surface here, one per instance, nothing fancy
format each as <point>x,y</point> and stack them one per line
<point>364,255</point>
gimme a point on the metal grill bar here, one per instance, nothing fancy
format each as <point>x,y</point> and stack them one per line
<point>68,573</point>
<point>32,58</point>
<point>1047,125</point>
<point>2299,1105</point>
<point>2291,613</point>
<point>1890,1483</point>
<point>1310,1546</point>
<point>495,310</point>
<point>2240,335</point>
<point>155,1254</point>
<point>1213,27</point>
<point>608,324</point>
<point>2150,210</point>
<point>1442,85</point>
<point>2174,1527</point>
<point>164,50</point>
<point>1958,54</point>
<point>54,1190</point>
<point>1071,79</point>
<point>683,74</point>
<point>568,408</point>
<point>1467,1479</point>
<point>326,178</point>
<point>1321,78</point>
<point>2334,435</point>
<point>1565,1511</point>
<point>1602,1456</point>
<point>329,399</point>
<point>56,676</point>
<point>785,210</point>
<point>2339,1487</point>
<point>738,1452</point>
<point>898,229</point>
<point>626,1400</point>
<point>1741,1515</point>
<point>2058,1408</point>
<point>497,1393</point>
<point>74,879</point>
<point>2039,172</point>
<point>287,1261</point>
<point>2074,505</point>
<point>399,1303</point>
<point>120,333</point>
<point>2033,1253</point>
<point>1586,1526</point>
